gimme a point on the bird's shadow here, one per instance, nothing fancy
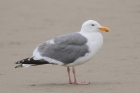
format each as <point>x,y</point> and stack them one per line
<point>67,84</point>
<point>54,84</point>
<point>51,84</point>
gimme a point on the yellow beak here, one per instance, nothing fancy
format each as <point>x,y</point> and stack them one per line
<point>103,28</point>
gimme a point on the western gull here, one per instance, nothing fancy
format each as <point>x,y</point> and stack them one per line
<point>69,50</point>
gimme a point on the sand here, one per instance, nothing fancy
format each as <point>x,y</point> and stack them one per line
<point>26,23</point>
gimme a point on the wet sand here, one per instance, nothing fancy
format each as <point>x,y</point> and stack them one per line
<point>26,23</point>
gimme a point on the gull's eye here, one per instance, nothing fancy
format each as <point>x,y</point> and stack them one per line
<point>92,24</point>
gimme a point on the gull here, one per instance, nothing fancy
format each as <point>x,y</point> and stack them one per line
<point>69,50</point>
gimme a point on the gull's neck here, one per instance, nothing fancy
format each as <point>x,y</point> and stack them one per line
<point>92,35</point>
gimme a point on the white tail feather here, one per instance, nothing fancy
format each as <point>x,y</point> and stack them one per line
<point>26,65</point>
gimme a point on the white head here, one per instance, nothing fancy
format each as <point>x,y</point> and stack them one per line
<point>93,26</point>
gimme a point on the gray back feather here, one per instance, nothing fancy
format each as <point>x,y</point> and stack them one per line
<point>67,48</point>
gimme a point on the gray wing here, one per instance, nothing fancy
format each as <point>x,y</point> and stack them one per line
<point>66,48</point>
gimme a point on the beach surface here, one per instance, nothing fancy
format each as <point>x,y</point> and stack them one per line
<point>24,24</point>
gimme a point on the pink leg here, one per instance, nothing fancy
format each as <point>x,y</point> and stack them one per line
<point>75,81</point>
<point>68,70</point>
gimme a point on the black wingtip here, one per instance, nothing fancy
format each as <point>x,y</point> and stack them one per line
<point>31,61</point>
<point>22,61</point>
